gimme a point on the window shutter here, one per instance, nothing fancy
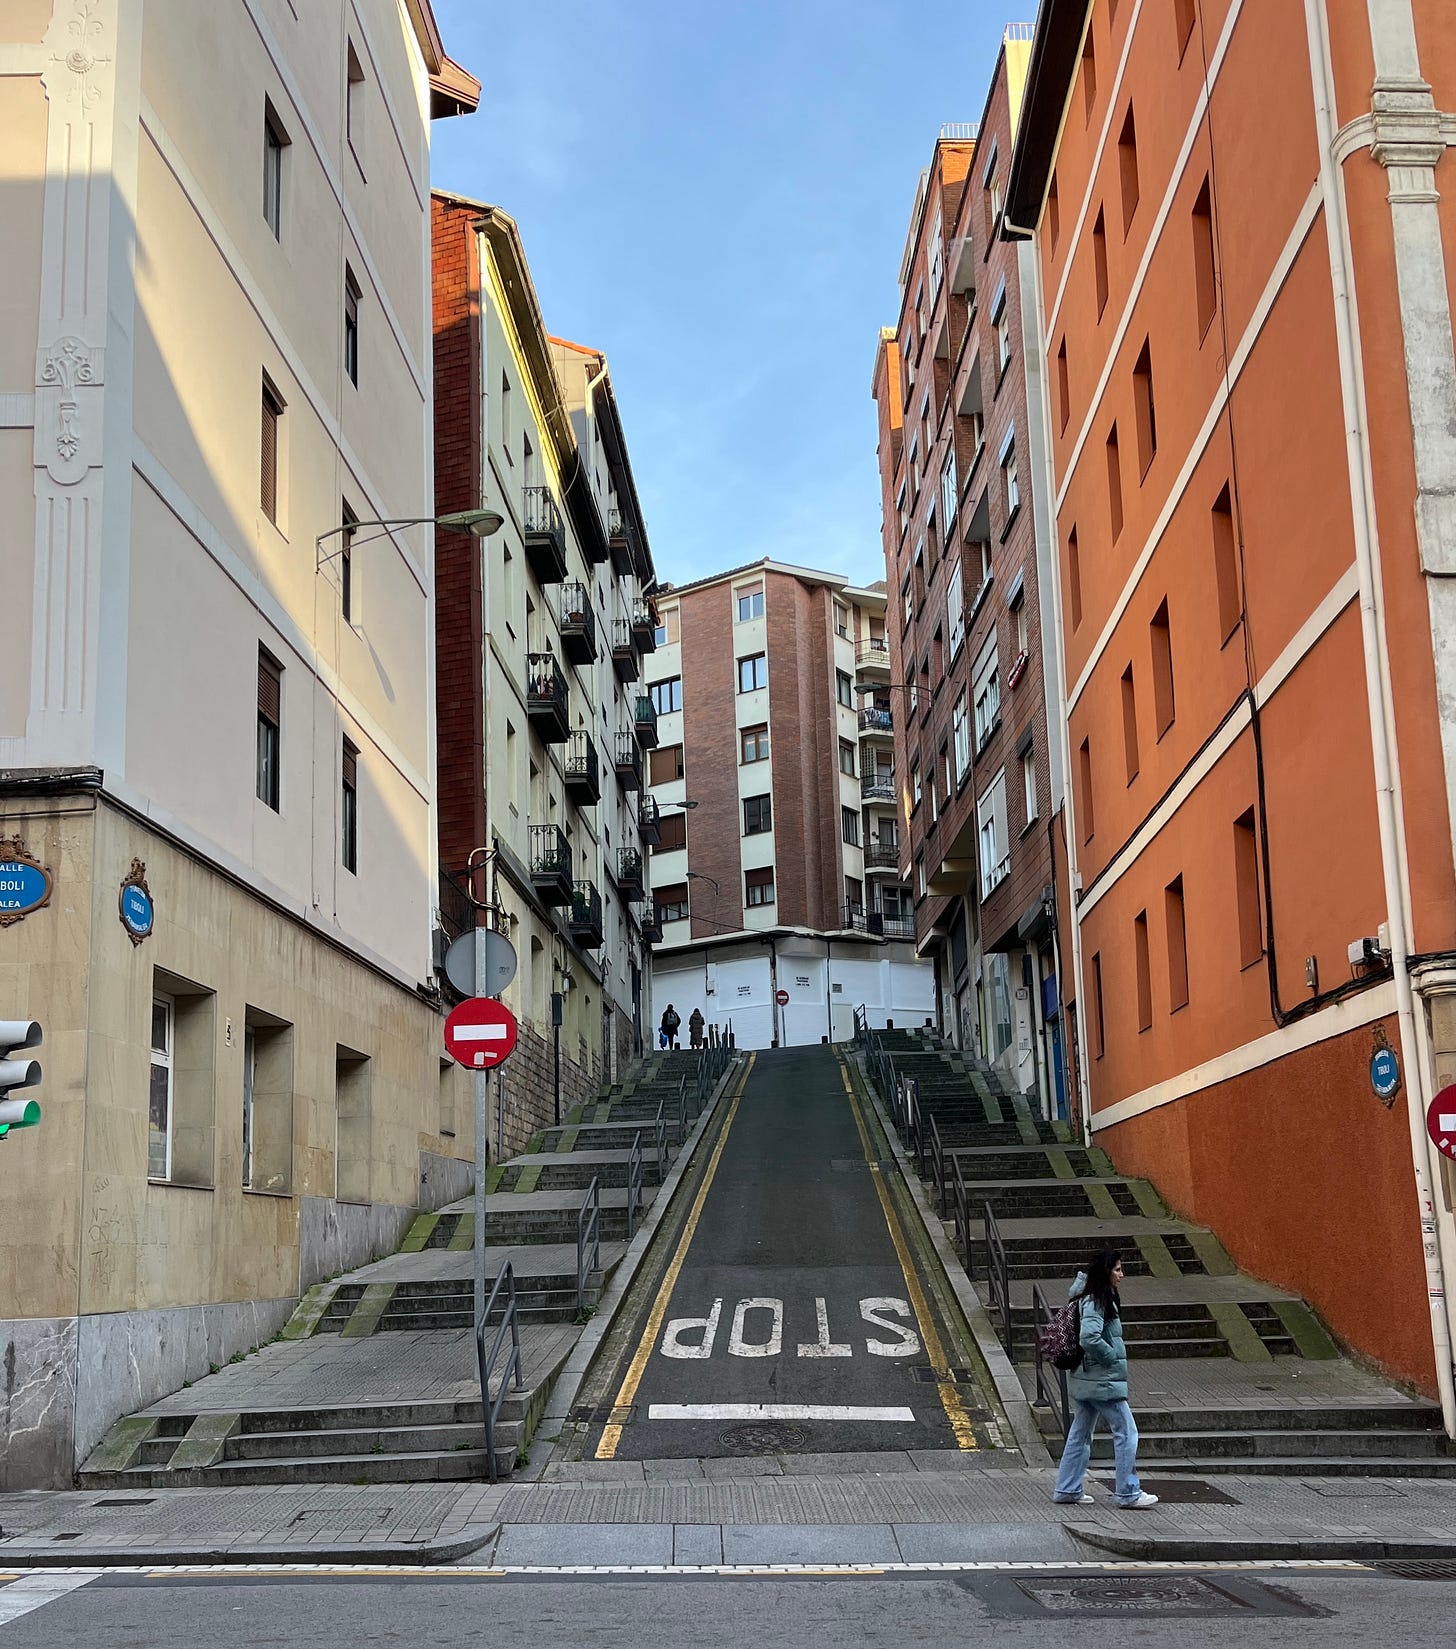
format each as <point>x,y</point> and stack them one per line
<point>351,766</point>
<point>270,683</point>
<point>268,488</point>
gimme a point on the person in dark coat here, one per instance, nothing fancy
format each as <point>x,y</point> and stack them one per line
<point>695,1028</point>
<point>671,1019</point>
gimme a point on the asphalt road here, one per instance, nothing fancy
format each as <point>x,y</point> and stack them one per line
<point>787,1322</point>
<point>995,1610</point>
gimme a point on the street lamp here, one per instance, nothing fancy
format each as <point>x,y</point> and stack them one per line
<point>472,523</point>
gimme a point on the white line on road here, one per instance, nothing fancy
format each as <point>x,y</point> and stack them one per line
<point>34,1591</point>
<point>773,1411</point>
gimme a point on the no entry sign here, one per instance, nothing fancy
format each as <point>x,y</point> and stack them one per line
<point>782,998</point>
<point>480,1034</point>
<point>1441,1121</point>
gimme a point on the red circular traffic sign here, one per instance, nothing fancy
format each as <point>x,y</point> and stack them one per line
<point>782,998</point>
<point>1441,1121</point>
<point>480,1034</point>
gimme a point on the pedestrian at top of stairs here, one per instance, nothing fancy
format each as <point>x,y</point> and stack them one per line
<point>695,1028</point>
<point>671,1019</point>
<point>1098,1388</point>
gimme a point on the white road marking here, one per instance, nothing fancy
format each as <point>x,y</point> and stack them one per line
<point>672,1343</point>
<point>823,1346</point>
<point>771,1347</point>
<point>39,1588</point>
<point>873,1311</point>
<point>774,1411</point>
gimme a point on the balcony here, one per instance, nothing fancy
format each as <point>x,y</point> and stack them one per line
<point>583,782</point>
<point>545,535</point>
<point>625,652</point>
<point>875,721</point>
<point>644,627</point>
<point>882,856</point>
<point>649,821</point>
<point>877,787</point>
<point>874,654</point>
<point>629,761</point>
<point>584,919</point>
<point>651,928</point>
<point>547,708</point>
<point>629,872</point>
<point>619,541</point>
<point>646,722</point>
<point>550,864</point>
<point>578,624</point>
<point>878,923</point>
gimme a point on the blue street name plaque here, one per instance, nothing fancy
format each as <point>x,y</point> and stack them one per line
<point>1384,1072</point>
<point>23,887</point>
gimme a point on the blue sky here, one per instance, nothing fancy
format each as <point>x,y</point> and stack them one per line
<point>718,195</point>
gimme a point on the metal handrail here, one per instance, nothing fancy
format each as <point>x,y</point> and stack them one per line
<point>682,1102</point>
<point>634,1183</point>
<point>998,1278</point>
<point>937,1161</point>
<point>485,1361</point>
<point>961,1204</point>
<point>1052,1392</point>
<point>659,1135</point>
<point>588,1239</point>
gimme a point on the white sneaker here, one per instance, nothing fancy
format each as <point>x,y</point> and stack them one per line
<point>1073,1500</point>
<point>1141,1504</point>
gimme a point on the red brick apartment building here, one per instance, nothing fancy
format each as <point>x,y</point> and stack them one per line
<point>965,513</point>
<point>776,876</point>
<point>1245,222</point>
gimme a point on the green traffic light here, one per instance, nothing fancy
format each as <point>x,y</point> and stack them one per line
<point>18,1113</point>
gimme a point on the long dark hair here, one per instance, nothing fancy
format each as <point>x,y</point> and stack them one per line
<point>1099,1286</point>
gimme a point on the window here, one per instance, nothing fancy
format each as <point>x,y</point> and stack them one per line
<point>1084,786</point>
<point>995,849</point>
<point>841,620</point>
<point>1162,669</point>
<point>757,815</point>
<point>937,256</point>
<point>752,672</point>
<point>1144,971</point>
<point>1074,578</point>
<point>354,107</point>
<point>1018,618</point>
<point>1246,890</point>
<point>1205,280</point>
<point>986,692</point>
<point>915,790</point>
<point>672,832</point>
<point>1099,260</point>
<point>1114,484</point>
<point>275,141</point>
<point>750,603</point>
<point>948,491</point>
<point>1142,400</point>
<point>672,903</point>
<point>960,725</point>
<point>270,725</point>
<point>1177,945</point>
<point>349,809</point>
<point>351,325</point>
<point>1010,484</point>
<point>1054,215</point>
<point>758,886</point>
<point>846,757</point>
<point>1129,724</point>
<point>159,1103</point>
<point>981,550</point>
<point>1185,15</point>
<point>991,194</point>
<point>753,743</point>
<point>665,764</point>
<point>505,405</point>
<point>853,895</point>
<point>1089,78</point>
<point>346,562</point>
<point>849,825</point>
<point>665,632</point>
<point>667,695</point>
<point>844,689</point>
<point>267,1163</point>
<point>909,599</point>
<point>1127,168</point>
<point>955,607</point>
<point>1226,565</point>
<point>1001,319</point>
<point>1094,1007</point>
<point>272,418</point>
<point>1028,784</point>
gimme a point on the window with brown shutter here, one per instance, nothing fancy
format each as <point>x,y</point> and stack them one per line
<point>673,829</point>
<point>270,722</point>
<point>349,808</point>
<point>272,415</point>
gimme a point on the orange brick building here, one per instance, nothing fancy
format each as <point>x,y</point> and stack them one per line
<point>1245,220</point>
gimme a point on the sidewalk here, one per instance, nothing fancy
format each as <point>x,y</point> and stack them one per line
<point>931,1506</point>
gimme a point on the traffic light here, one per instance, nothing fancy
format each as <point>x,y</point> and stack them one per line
<point>16,1112</point>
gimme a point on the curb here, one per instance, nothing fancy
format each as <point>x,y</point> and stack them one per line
<point>568,1382</point>
<point>1009,1394</point>
<point>387,1552</point>
<point>1252,1548</point>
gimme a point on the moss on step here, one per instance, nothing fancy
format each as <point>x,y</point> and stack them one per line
<point>1305,1329</point>
<point>1150,1204</point>
<point>1105,1208</point>
<point>118,1448</point>
<point>309,1312</point>
<point>1212,1253</point>
<point>204,1443</point>
<point>568,1138</point>
<point>417,1238</point>
<point>464,1238</point>
<point>1243,1338</point>
<point>364,1318</point>
<point>1155,1251</point>
<point>1059,1163</point>
<point>527,1178</point>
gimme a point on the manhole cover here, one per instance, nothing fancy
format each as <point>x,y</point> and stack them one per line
<point>1180,1491</point>
<point>773,1437</point>
<point>1131,1595</point>
<point>123,1502</point>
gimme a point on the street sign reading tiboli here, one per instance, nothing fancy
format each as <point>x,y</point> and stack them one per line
<point>1441,1121</point>
<point>480,1034</point>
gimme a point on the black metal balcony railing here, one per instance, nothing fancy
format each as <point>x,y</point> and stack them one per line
<point>545,535</point>
<point>578,624</point>
<point>878,785</point>
<point>584,923</point>
<point>644,626</point>
<point>876,718</point>
<point>651,928</point>
<point>550,863</point>
<point>629,872</point>
<point>583,781</point>
<point>646,722</point>
<point>547,706</point>
<point>878,923</point>
<point>619,541</point>
<point>629,761</point>
<point>456,908</point>
<point>874,653</point>
<point>881,855</point>
<point>626,655</point>
<point>649,821</point>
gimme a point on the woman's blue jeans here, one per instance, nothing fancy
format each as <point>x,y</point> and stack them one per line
<point>1078,1450</point>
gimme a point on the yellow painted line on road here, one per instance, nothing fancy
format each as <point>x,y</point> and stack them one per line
<point>950,1398</point>
<point>627,1392</point>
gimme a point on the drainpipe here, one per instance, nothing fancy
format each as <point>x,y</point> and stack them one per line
<point>1372,630</point>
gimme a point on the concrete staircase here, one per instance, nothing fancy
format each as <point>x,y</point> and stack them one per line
<point>1229,1374</point>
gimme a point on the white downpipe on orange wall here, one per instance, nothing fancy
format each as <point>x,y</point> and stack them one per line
<point>1372,627</point>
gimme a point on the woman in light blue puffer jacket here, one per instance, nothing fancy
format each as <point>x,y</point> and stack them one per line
<point>1098,1387</point>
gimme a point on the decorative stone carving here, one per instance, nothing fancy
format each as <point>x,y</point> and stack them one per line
<point>85,30</point>
<point>63,371</point>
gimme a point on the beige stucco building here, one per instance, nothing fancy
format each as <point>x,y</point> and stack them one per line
<point>215,350</point>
